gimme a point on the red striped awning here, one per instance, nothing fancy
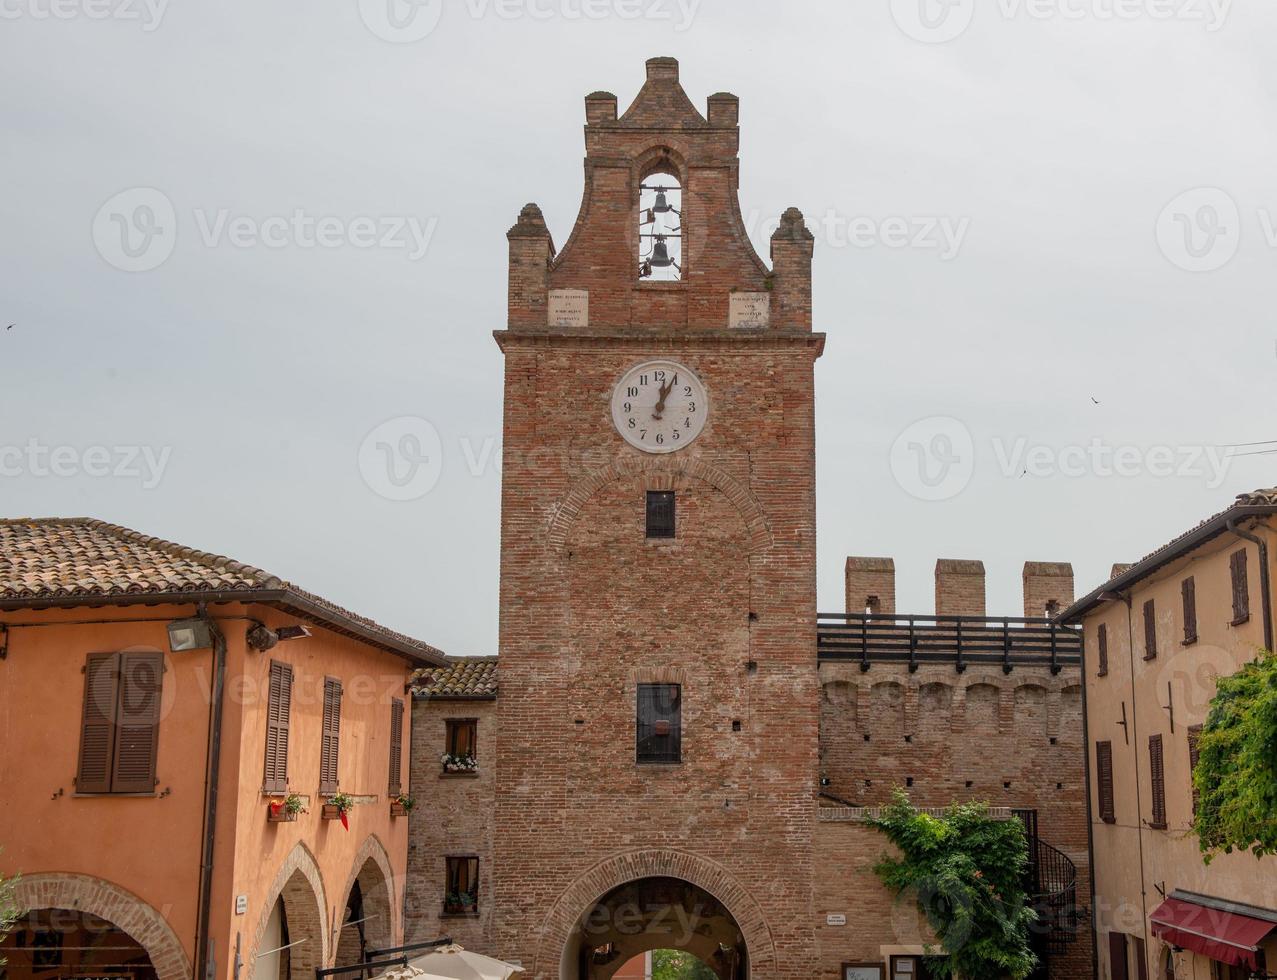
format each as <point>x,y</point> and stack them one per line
<point>1227,937</point>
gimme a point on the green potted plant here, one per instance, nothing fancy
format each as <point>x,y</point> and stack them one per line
<point>402,805</point>
<point>285,809</point>
<point>337,806</point>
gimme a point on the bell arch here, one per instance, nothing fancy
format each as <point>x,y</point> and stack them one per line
<point>116,905</point>
<point>562,922</point>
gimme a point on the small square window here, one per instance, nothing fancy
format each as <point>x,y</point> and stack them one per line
<point>660,513</point>
<point>660,723</point>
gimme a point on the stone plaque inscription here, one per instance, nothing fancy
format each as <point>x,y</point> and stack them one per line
<point>569,307</point>
<point>750,310</point>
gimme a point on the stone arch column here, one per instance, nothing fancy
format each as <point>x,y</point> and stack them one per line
<point>556,929</point>
<point>301,887</point>
<point>123,909</point>
<point>371,868</point>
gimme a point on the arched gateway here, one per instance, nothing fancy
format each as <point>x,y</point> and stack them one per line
<point>651,900</point>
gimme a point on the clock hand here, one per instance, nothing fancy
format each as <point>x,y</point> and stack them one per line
<point>659,411</point>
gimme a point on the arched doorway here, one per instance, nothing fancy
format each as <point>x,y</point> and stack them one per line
<point>48,944</point>
<point>291,941</point>
<point>73,928</point>
<point>366,922</point>
<point>655,914</point>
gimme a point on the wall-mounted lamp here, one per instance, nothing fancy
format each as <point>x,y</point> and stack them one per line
<point>292,632</point>
<point>190,634</point>
<point>262,638</point>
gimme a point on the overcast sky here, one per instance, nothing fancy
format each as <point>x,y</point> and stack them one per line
<point>1061,204</point>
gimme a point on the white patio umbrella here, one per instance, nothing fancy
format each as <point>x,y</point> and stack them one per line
<point>456,963</point>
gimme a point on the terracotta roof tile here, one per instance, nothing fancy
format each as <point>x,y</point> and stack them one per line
<point>56,560</point>
<point>464,677</point>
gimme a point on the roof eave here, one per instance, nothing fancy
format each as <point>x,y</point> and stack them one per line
<point>284,598</point>
<point>1141,570</point>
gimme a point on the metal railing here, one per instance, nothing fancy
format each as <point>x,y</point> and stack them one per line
<point>381,960</point>
<point>963,641</point>
<point>1055,896</point>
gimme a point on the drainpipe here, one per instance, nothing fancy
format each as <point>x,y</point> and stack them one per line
<point>1262,545</point>
<point>204,964</point>
<point>1090,817</point>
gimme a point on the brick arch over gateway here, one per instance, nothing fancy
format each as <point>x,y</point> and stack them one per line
<point>121,908</point>
<point>589,888</point>
<point>379,905</point>
<point>668,473</point>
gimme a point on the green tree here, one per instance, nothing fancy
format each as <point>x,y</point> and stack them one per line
<point>1236,772</point>
<point>966,871</point>
<point>675,964</point>
<point>10,910</point>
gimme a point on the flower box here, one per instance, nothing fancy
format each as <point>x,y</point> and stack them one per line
<point>398,809</point>
<point>280,814</point>
<point>331,812</point>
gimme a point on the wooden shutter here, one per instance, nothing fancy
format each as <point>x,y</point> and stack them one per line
<point>1157,773</point>
<point>1150,630</point>
<point>396,747</point>
<point>1102,642</point>
<point>330,738</point>
<point>1241,587</point>
<point>278,718</point>
<point>97,723</point>
<point>137,725</point>
<point>1188,589</point>
<point>1104,778</point>
<point>1194,753</point>
<point>1118,968</point>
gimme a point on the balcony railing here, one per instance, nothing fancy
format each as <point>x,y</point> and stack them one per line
<point>963,641</point>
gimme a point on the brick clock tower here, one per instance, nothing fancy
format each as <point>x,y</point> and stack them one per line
<point>657,748</point>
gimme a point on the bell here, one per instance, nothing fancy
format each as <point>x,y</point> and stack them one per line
<point>661,255</point>
<point>662,206</point>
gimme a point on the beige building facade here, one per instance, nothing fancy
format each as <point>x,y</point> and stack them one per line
<point>1157,637</point>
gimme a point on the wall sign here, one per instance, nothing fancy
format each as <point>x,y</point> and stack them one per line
<point>241,904</point>
<point>835,920</point>
<point>862,971</point>
<point>750,311</point>
<point>569,307</point>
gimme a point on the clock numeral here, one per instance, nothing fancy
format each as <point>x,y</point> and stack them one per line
<point>643,379</point>
<point>687,423</point>
<point>643,434</point>
<point>633,424</point>
<point>631,392</point>
<point>675,435</point>
<point>660,438</point>
<point>692,408</point>
<point>660,376</point>
<point>687,390</point>
<point>627,408</point>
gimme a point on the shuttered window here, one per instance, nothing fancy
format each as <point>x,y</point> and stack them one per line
<point>1141,958</point>
<point>120,723</point>
<point>330,737</point>
<point>461,737</point>
<point>1157,774</point>
<point>1194,736</point>
<point>660,723</point>
<point>1150,630</point>
<point>1102,643</point>
<point>1241,588</point>
<point>1188,589</point>
<point>1104,779</point>
<point>278,715</point>
<point>396,747</point>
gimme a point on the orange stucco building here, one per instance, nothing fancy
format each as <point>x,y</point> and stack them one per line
<point>139,820</point>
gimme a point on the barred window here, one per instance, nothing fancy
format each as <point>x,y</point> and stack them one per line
<point>660,514</point>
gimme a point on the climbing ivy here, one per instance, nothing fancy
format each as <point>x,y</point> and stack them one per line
<point>966,870</point>
<point>1236,772</point>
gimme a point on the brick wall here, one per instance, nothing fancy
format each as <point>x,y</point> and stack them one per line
<point>453,817</point>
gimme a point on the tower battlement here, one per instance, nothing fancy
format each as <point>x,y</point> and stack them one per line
<point>1047,587</point>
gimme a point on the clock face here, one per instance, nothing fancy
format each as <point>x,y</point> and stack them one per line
<point>659,407</point>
